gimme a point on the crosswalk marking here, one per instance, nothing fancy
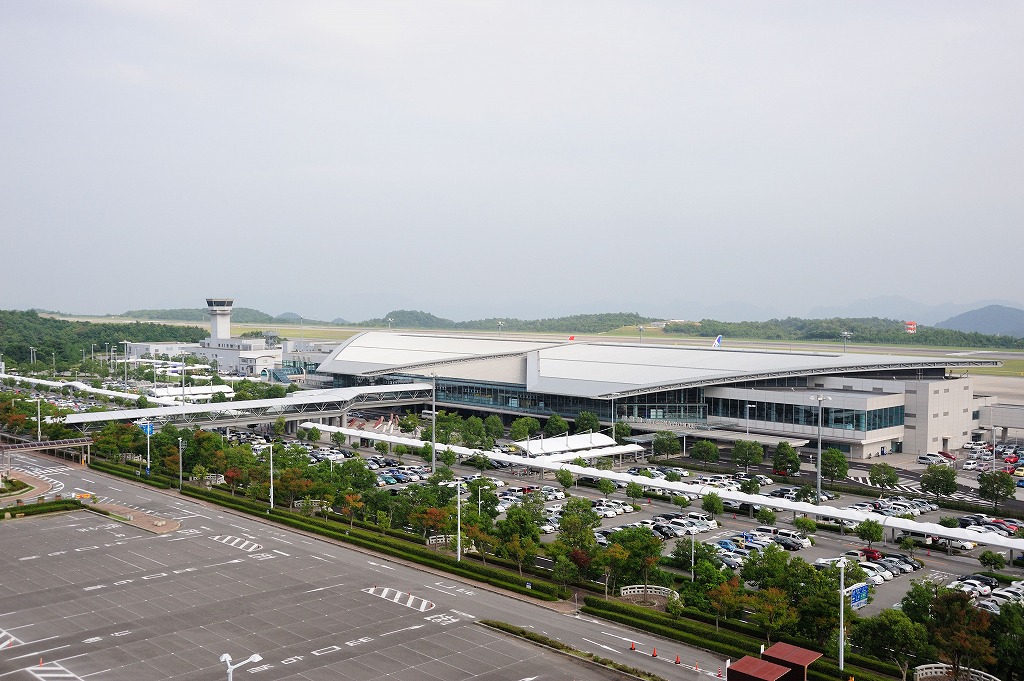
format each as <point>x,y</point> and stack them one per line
<point>52,670</point>
<point>237,542</point>
<point>911,489</point>
<point>400,597</point>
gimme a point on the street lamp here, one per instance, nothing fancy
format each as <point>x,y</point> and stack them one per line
<point>749,407</point>
<point>820,398</point>
<point>842,607</point>
<point>641,330</point>
<point>39,416</point>
<point>181,455</point>
<point>500,324</point>
<point>92,353</point>
<point>458,521</point>
<point>433,425</point>
<point>271,478</point>
<point>389,323</point>
<point>846,336</point>
<point>226,659</point>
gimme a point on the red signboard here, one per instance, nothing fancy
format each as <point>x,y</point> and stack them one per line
<point>911,327</point>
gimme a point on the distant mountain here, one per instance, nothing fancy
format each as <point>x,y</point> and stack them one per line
<point>897,307</point>
<point>992,319</point>
<point>242,315</point>
<point>581,323</point>
<point>339,320</point>
<point>289,316</point>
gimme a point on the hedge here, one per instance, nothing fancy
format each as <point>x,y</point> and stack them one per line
<point>696,629</point>
<point>399,548</point>
<point>130,473</point>
<point>45,507</point>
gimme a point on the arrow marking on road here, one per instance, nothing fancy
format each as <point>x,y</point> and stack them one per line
<point>600,645</point>
<point>418,626</point>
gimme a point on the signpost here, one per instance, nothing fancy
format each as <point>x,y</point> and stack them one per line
<point>147,428</point>
<point>858,595</point>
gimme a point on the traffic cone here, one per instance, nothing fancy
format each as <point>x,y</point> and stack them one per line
<point>719,672</point>
<point>655,653</point>
<point>632,645</point>
<point>40,662</point>
<point>678,661</point>
<point>696,665</point>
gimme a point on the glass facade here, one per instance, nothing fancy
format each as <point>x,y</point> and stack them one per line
<point>807,415</point>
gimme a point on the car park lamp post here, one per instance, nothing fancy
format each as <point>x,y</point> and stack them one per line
<point>641,330</point>
<point>458,521</point>
<point>226,659</point>
<point>181,455</point>
<point>820,398</point>
<point>271,478</point>
<point>842,607</point>
<point>433,425</point>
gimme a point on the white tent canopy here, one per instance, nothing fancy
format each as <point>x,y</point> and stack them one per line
<point>564,443</point>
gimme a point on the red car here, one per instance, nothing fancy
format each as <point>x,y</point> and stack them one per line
<point>1011,458</point>
<point>947,455</point>
<point>871,554</point>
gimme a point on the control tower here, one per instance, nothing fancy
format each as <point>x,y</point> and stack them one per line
<point>220,317</point>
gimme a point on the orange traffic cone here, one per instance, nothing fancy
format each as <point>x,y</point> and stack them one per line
<point>696,665</point>
<point>40,662</point>
<point>655,653</point>
<point>719,672</point>
<point>632,645</point>
<point>678,661</point>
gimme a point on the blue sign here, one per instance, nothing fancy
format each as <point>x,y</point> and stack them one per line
<point>147,471</point>
<point>858,596</point>
<point>147,428</point>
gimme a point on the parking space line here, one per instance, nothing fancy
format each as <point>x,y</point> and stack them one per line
<point>40,652</point>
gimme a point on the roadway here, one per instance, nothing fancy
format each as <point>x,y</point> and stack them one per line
<point>90,598</point>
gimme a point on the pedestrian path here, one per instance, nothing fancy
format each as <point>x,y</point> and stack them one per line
<point>913,488</point>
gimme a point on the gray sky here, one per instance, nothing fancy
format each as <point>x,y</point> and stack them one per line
<point>478,159</point>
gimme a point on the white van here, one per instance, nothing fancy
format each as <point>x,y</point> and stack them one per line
<point>793,534</point>
<point>767,530</point>
<point>699,516</point>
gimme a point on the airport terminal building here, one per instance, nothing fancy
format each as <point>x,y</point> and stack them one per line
<point>871,404</point>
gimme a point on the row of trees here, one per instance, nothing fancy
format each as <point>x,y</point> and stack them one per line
<point>864,330</point>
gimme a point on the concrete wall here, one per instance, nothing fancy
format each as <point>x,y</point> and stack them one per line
<point>938,415</point>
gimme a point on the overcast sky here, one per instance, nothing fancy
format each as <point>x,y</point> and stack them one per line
<point>488,159</point>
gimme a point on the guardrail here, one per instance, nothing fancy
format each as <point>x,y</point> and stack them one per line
<point>641,590</point>
<point>945,671</point>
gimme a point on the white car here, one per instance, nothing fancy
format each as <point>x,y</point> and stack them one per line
<point>970,465</point>
<point>961,544</point>
<point>605,511</point>
<point>497,482</point>
<point>982,588</point>
<point>877,569</point>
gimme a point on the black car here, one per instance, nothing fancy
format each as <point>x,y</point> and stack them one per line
<point>966,521</point>
<point>788,543</point>
<point>913,562</point>
<point>984,579</point>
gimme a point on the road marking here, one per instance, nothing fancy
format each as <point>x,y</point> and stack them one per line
<point>117,489</point>
<point>40,652</point>
<point>95,673</point>
<point>631,640</point>
<point>386,567</point>
<point>322,588</point>
<point>281,553</point>
<point>285,541</point>
<point>600,645</point>
<point>418,626</point>
<point>91,482</point>
<point>400,597</point>
<point>237,542</point>
<point>317,557</point>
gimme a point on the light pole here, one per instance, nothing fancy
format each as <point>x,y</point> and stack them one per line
<point>749,407</point>
<point>641,330</point>
<point>181,455</point>
<point>226,659</point>
<point>271,478</point>
<point>92,353</point>
<point>433,425</point>
<point>500,324</point>
<point>820,398</point>
<point>39,417</point>
<point>54,354</point>
<point>458,521</point>
<point>389,323</point>
<point>846,336</point>
<point>842,608</point>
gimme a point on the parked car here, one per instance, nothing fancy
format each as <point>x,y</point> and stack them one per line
<point>788,543</point>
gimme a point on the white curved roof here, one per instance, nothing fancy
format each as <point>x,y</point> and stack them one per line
<point>602,369</point>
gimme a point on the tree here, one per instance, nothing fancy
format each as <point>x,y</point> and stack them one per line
<point>746,453</point>
<point>726,599</point>
<point>481,539</point>
<point>938,480</point>
<point>806,525</point>
<point>992,560</point>
<point>622,431</point>
<point>918,601</point>
<point>869,531</point>
<point>958,629</point>
<point>314,434</point>
<point>576,528</point>
<point>1008,634</point>
<point>565,478</point>
<point>785,460</point>
<point>807,493</point>
<point>673,476</point>
<point>606,487</point>
<point>494,427</point>
<point>473,432</point>
<point>643,549</point>
<point>882,475</point>
<point>891,636</point>
<point>995,487</point>
<point>834,464</point>
<point>409,423</point>
<point>766,516</point>
<point>770,609</point>
<point>381,447</point>
<point>523,428</point>
<point>666,443</point>
<point>712,503</point>
<point>350,503</point>
<point>565,571</point>
<point>338,438</point>
<point>519,550</point>
<point>587,421</point>
<point>233,476</point>
<point>555,426</point>
<point>706,451</point>
<point>634,490</point>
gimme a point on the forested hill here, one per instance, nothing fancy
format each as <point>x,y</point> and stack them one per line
<point>242,315</point>
<point>864,330</point>
<point>19,330</point>
<point>581,323</point>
